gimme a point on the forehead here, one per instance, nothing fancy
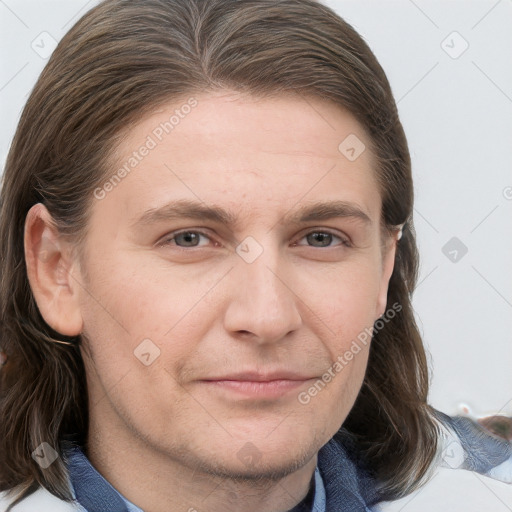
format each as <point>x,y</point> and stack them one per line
<point>252,155</point>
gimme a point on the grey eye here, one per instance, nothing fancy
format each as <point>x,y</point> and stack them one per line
<point>324,239</point>
<point>187,239</point>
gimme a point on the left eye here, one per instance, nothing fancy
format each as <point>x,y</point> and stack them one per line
<point>324,239</point>
<point>317,239</point>
<point>187,238</point>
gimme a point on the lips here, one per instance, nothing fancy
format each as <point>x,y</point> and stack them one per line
<point>256,385</point>
<point>253,376</point>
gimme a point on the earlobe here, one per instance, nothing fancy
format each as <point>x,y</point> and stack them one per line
<point>50,271</point>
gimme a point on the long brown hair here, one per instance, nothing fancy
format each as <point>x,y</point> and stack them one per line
<point>123,58</point>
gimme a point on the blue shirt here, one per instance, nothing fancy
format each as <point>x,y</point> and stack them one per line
<point>95,494</point>
<point>341,484</point>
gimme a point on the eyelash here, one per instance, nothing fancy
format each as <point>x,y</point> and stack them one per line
<point>167,241</point>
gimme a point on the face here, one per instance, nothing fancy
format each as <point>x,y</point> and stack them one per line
<point>224,275</point>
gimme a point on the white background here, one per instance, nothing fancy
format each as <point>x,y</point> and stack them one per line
<point>457,114</point>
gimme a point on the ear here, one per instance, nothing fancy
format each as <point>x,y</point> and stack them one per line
<point>50,271</point>
<point>388,263</point>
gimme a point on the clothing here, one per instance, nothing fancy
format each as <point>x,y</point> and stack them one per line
<point>471,460</point>
<point>336,476</point>
<point>473,473</point>
<point>95,494</point>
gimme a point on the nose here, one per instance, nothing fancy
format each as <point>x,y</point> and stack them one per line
<point>263,305</point>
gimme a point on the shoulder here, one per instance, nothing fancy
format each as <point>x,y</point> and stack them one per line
<point>453,490</point>
<point>473,472</point>
<point>39,501</point>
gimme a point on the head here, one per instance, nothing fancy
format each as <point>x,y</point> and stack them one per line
<point>155,246</point>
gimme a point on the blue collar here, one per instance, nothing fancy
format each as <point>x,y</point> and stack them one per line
<point>90,489</point>
<point>348,485</point>
<point>339,484</point>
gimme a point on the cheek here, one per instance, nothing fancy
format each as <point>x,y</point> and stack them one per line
<point>126,292</point>
<point>132,308</point>
<point>345,300</point>
<point>346,306</point>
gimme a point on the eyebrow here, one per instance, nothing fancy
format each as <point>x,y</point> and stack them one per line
<point>191,209</point>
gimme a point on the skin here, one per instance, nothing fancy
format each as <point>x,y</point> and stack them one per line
<point>165,438</point>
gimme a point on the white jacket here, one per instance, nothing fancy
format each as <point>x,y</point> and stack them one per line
<point>40,501</point>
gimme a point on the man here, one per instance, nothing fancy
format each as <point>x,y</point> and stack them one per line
<point>219,260</point>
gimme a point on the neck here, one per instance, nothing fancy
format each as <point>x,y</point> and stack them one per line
<point>159,481</point>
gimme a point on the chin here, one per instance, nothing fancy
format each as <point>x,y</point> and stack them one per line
<point>252,465</point>
<point>246,461</point>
